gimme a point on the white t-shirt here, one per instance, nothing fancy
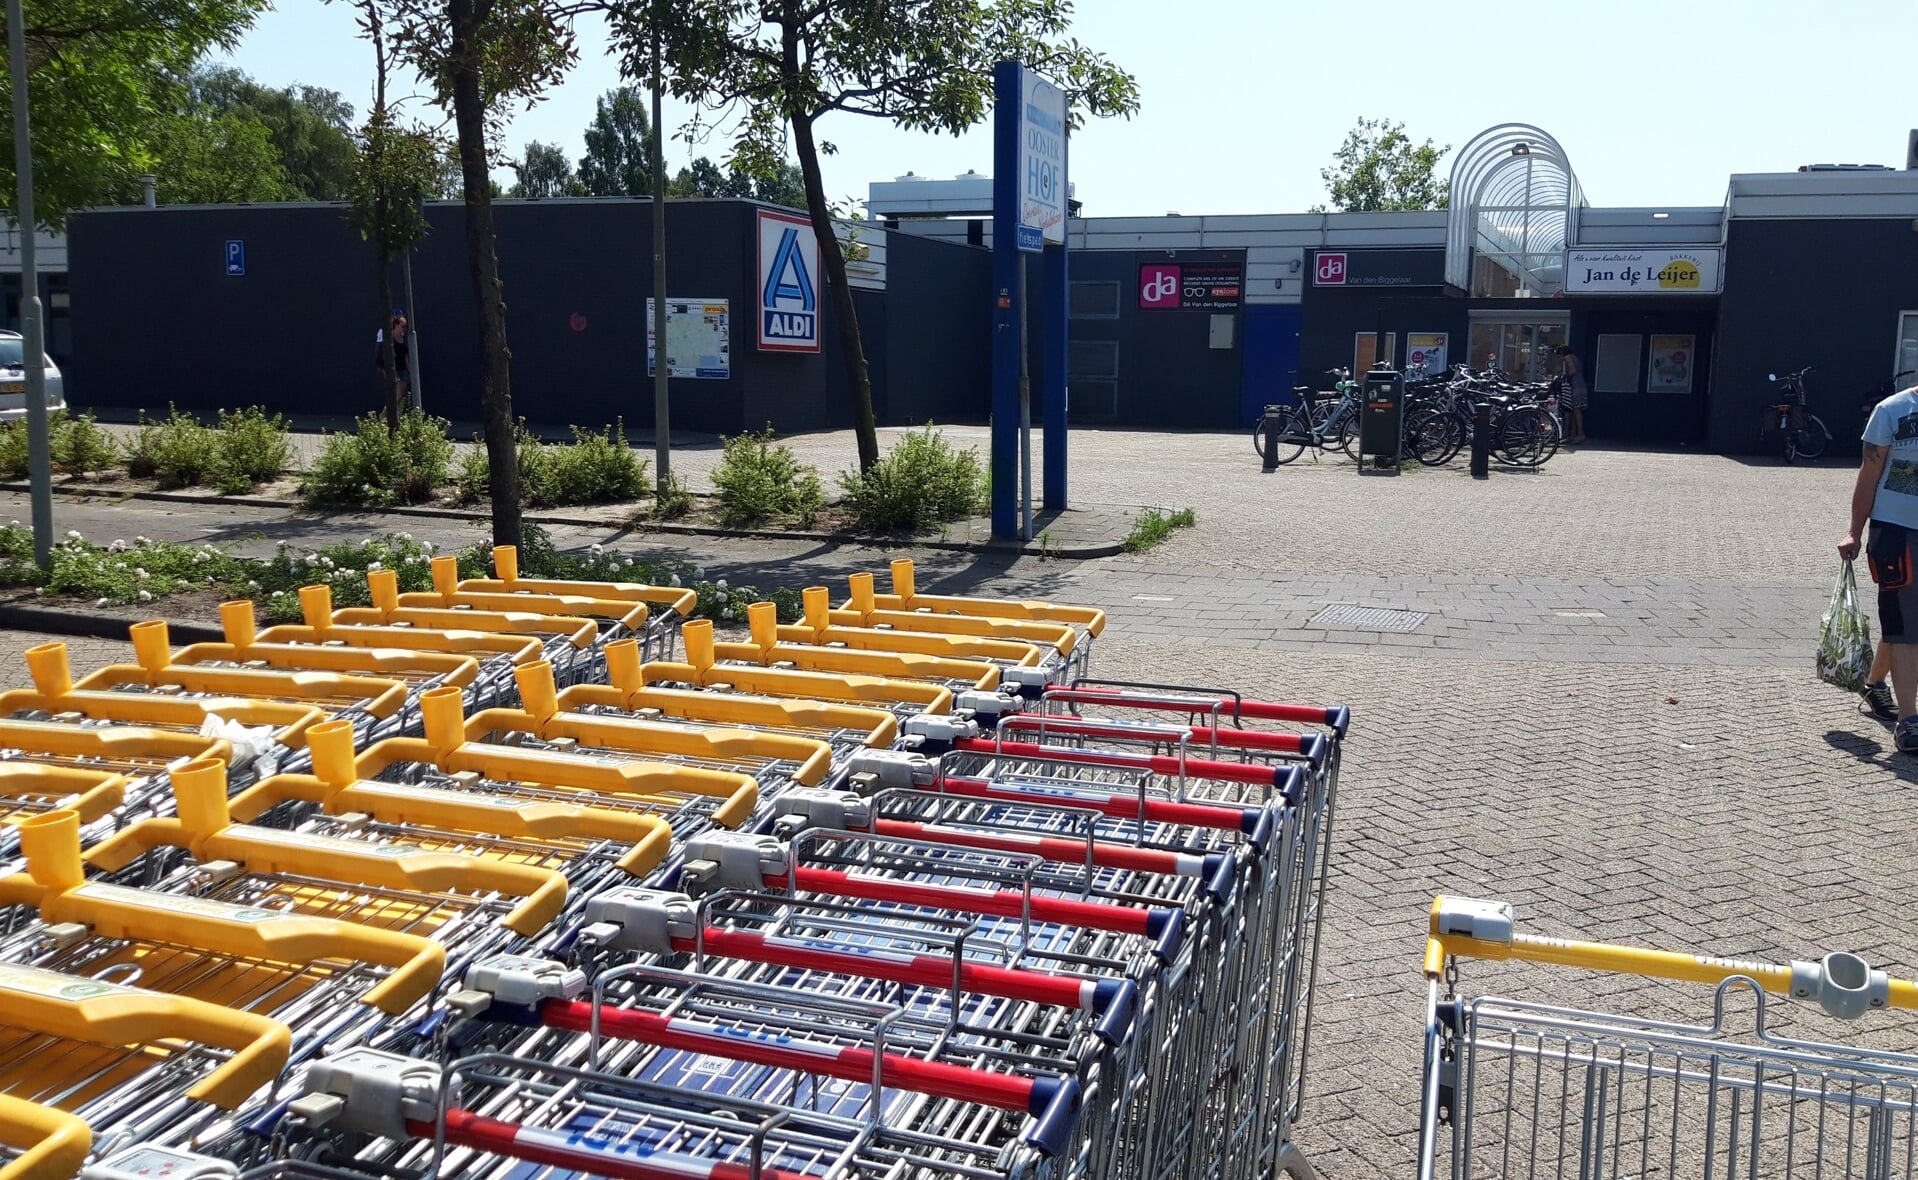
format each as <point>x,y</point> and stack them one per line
<point>1894,423</point>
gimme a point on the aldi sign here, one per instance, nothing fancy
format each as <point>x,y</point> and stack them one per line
<point>788,284</point>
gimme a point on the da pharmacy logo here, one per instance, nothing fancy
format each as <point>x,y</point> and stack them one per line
<point>1158,286</point>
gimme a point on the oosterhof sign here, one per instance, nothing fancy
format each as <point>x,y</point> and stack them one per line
<point>1634,271</point>
<point>788,284</point>
<point>1042,165</point>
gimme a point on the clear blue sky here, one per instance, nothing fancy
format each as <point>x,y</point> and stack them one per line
<point>1243,101</point>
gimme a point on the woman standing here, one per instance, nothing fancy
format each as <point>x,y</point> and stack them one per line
<point>1576,395</point>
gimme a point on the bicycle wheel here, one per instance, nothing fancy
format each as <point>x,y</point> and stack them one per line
<point>1526,437</point>
<point>1433,437</point>
<point>1808,441</point>
<point>1294,432</point>
<point>1347,436</point>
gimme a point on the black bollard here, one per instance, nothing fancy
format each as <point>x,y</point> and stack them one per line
<point>1274,416</point>
<point>1482,443</point>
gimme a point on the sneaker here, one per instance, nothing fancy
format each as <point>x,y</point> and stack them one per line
<point>1905,737</point>
<point>1878,699</point>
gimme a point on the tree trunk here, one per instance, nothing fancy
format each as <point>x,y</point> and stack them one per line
<point>496,391</point>
<point>389,361</point>
<point>851,347</point>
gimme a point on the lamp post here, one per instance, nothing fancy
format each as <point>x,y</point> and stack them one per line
<point>32,327</point>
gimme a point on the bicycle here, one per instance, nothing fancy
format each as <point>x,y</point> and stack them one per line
<point>1803,434</point>
<point>1317,421</point>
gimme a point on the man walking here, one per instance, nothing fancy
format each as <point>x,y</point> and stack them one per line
<point>1886,498</point>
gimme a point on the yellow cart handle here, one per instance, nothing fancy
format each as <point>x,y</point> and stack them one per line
<point>628,692</point>
<point>1842,983</point>
<point>90,793</point>
<point>51,843</point>
<point>506,567</point>
<point>817,628</point>
<point>119,742</point>
<point>388,661</point>
<point>904,596</point>
<point>53,1144</point>
<point>861,610</point>
<point>78,1008</point>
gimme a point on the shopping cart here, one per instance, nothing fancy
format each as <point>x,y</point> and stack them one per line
<point>897,688</point>
<point>1528,1088</point>
<point>1022,663</point>
<point>38,1140</point>
<point>905,596</point>
<point>671,605</point>
<point>844,727</point>
<point>1073,644</point>
<point>569,641</point>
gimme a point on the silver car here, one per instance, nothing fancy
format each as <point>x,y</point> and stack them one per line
<point>13,379</point>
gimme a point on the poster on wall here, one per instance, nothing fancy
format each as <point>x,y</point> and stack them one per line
<point>788,283</point>
<point>1426,351</point>
<point>1191,286</point>
<point>698,338</point>
<point>1673,358</point>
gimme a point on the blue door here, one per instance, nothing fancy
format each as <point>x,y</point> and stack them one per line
<point>1271,358</point>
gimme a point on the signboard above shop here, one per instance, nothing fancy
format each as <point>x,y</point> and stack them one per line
<point>1627,270</point>
<point>1378,268</point>
<point>1192,285</point>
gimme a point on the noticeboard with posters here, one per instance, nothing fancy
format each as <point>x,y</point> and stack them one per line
<point>698,338</point>
<point>1673,358</point>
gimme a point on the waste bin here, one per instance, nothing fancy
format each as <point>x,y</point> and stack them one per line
<point>1382,415</point>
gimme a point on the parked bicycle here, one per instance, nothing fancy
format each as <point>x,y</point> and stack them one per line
<point>1802,434</point>
<point>1441,417</point>
<point>1320,420</point>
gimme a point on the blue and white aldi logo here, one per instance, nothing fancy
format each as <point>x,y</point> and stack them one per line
<point>788,284</point>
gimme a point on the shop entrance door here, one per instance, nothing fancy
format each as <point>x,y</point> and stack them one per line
<point>1521,348</point>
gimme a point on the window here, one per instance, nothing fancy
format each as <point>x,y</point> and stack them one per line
<point>1905,368</point>
<point>59,318</point>
<point>1094,300</point>
<point>1616,370</point>
<point>1366,352</point>
<point>1521,349</point>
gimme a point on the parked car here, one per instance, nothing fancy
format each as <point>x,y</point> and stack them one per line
<point>13,379</point>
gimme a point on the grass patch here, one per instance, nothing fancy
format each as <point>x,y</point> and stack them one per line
<point>1151,527</point>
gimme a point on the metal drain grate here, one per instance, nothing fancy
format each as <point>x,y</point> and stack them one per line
<point>1368,618</point>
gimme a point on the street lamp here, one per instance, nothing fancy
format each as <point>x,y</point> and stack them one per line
<point>32,328</point>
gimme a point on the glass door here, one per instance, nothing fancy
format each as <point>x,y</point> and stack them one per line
<point>1905,368</point>
<point>1521,349</point>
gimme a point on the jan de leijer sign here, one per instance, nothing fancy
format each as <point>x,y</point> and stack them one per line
<point>1629,271</point>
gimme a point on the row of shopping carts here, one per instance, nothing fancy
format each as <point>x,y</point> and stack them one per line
<point>523,878</point>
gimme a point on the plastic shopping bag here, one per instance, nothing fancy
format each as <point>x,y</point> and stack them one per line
<point>1844,638</point>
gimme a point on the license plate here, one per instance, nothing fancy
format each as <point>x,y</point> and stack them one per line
<point>13,387</point>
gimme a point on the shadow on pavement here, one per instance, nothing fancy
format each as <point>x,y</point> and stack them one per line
<point>1871,751</point>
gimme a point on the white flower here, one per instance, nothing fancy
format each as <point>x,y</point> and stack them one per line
<point>252,585</point>
<point>327,562</point>
<point>99,602</point>
<point>74,535</point>
<point>200,557</point>
<point>699,573</point>
<point>286,545</point>
<point>406,536</point>
<point>674,580</point>
<point>629,563</point>
<point>141,541</point>
<point>146,596</point>
<point>119,565</point>
<point>210,579</point>
<point>343,573</point>
<point>374,566</point>
<point>428,546</point>
<point>118,546</point>
<point>598,549</point>
<point>720,585</point>
<point>16,524</point>
<point>39,589</point>
<point>141,574</point>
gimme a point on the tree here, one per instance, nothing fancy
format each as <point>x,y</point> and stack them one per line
<point>544,171</point>
<point>205,157</point>
<point>926,65</point>
<point>703,178</point>
<point>479,56</point>
<point>394,171</point>
<point>104,76</point>
<point>1379,169</point>
<point>619,147</point>
<point>311,128</point>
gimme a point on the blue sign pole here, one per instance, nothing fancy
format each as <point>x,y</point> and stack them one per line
<point>1008,80</point>
<point>1056,326</point>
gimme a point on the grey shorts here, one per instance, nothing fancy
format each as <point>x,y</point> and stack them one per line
<point>1888,552</point>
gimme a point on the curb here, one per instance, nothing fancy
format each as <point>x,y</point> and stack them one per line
<point>57,621</point>
<point>1023,548</point>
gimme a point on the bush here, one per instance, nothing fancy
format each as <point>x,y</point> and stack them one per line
<point>759,479</point>
<point>533,457</point>
<point>254,448</point>
<point>75,446</point>
<point>922,482</point>
<point>598,467</point>
<point>380,467</point>
<point>177,450</point>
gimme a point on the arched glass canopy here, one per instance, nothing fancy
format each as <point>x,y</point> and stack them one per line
<point>1515,207</point>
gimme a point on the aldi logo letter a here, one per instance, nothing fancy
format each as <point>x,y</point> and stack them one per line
<point>788,293</point>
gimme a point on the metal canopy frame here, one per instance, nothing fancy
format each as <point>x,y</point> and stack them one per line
<point>1515,198</point>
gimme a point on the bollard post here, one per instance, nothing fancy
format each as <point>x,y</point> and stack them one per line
<point>1482,443</point>
<point>1274,415</point>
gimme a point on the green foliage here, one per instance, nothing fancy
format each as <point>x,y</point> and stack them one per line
<point>309,128</point>
<point>1378,168</point>
<point>922,482</point>
<point>396,168</point>
<point>759,479</point>
<point>17,567</point>
<point>254,448</point>
<point>75,446</point>
<point>619,147</point>
<point>177,450</point>
<point>103,84</point>
<point>703,178</point>
<point>672,499</point>
<point>208,157</point>
<point>1152,526</point>
<point>380,467</point>
<point>597,467</point>
<point>544,171</point>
